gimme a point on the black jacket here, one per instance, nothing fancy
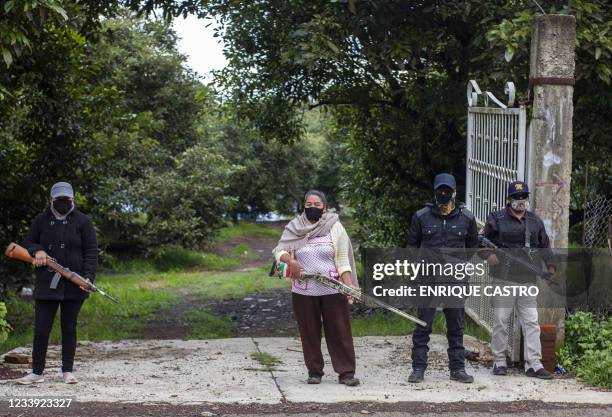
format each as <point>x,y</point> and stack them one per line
<point>72,242</point>
<point>508,231</point>
<point>429,229</point>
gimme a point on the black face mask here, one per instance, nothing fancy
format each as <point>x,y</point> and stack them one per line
<point>62,206</point>
<point>313,214</point>
<point>443,196</point>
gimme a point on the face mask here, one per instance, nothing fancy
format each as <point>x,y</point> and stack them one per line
<point>313,214</point>
<point>62,206</point>
<point>444,196</point>
<point>445,200</point>
<point>520,205</point>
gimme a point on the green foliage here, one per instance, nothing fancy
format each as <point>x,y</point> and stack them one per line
<point>204,325</point>
<point>172,258</point>
<point>22,19</point>
<point>121,119</point>
<point>271,177</point>
<point>386,324</point>
<point>588,348</point>
<point>155,160</point>
<point>246,229</point>
<point>381,325</point>
<point>592,174</point>
<point>99,319</point>
<point>142,297</point>
<point>392,75</point>
<point>221,285</point>
<point>184,205</point>
<point>5,328</point>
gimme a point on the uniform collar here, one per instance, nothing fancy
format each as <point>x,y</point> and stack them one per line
<point>435,210</point>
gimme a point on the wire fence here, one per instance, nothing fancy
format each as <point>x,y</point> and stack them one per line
<point>597,225</point>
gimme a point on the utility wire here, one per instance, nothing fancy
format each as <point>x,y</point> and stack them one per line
<point>540,7</point>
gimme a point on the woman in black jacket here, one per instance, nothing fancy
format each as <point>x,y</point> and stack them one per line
<point>64,233</point>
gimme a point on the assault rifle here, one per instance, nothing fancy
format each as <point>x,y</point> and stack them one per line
<point>547,275</point>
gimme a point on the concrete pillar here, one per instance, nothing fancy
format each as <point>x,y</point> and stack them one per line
<point>551,75</point>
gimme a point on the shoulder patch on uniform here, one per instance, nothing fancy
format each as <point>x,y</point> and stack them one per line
<point>423,211</point>
<point>467,213</point>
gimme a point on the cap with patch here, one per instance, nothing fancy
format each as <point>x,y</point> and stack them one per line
<point>62,189</point>
<point>518,187</point>
<point>444,179</point>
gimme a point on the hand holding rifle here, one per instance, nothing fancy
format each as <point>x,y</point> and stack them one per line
<point>547,275</point>
<point>41,258</point>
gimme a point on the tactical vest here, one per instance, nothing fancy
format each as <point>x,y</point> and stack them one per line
<point>512,232</point>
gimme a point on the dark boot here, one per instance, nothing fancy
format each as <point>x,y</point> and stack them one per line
<point>500,370</point>
<point>349,380</point>
<point>416,376</point>
<point>314,379</point>
<point>540,374</point>
<point>460,375</point>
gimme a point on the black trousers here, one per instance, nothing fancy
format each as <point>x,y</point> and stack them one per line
<point>454,335</point>
<point>44,314</point>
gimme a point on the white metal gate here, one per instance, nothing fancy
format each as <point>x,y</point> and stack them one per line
<point>496,156</point>
<point>496,150</point>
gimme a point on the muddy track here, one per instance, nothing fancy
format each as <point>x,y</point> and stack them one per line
<point>259,315</point>
<point>264,314</point>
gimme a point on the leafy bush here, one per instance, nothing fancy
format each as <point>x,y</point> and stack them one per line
<point>588,348</point>
<point>4,326</point>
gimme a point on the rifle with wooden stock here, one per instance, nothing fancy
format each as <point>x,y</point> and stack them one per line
<point>18,252</point>
<point>281,269</point>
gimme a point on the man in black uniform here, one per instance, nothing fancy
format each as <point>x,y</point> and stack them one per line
<point>443,224</point>
<point>515,227</point>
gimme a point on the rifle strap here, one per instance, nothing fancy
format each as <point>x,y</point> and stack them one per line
<point>55,280</point>
<point>527,234</point>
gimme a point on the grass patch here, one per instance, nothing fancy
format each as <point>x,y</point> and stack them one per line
<point>244,228</point>
<point>380,324</point>
<point>383,324</point>
<point>141,296</point>
<point>99,318</point>
<point>243,252</point>
<point>267,360</point>
<point>179,259</point>
<point>172,259</point>
<point>204,325</point>
<point>225,284</point>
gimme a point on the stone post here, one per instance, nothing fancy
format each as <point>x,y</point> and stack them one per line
<point>551,74</point>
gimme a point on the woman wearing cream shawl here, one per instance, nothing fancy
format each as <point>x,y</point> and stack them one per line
<point>315,242</point>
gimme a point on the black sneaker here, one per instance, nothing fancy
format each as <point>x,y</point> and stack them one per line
<point>416,376</point>
<point>314,379</point>
<point>500,370</point>
<point>460,375</point>
<point>349,380</point>
<point>540,373</point>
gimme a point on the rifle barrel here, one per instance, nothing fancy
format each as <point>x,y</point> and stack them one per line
<point>361,297</point>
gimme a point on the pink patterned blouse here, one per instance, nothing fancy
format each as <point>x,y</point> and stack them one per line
<point>316,257</point>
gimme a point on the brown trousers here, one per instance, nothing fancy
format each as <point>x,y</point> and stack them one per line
<point>333,309</point>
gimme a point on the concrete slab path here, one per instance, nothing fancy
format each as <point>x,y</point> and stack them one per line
<point>205,371</point>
